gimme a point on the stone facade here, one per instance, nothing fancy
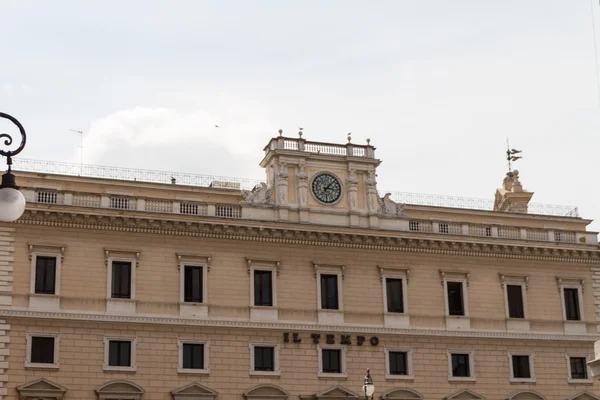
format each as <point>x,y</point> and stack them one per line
<point>283,230</point>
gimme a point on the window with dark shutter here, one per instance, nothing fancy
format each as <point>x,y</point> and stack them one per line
<point>460,365</point>
<point>263,288</point>
<point>119,353</point>
<point>571,296</point>
<point>264,358</point>
<point>398,363</point>
<point>455,298</point>
<point>395,299</point>
<point>332,361</point>
<point>578,367</point>
<point>121,280</point>
<point>42,350</point>
<point>45,275</point>
<point>515,301</point>
<point>193,355</point>
<point>329,292</point>
<point>193,285</point>
<point>521,368</point>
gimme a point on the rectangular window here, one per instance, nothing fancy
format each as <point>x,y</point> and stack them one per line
<point>460,365</point>
<point>193,285</point>
<point>456,304</point>
<point>521,368</point>
<point>395,298</point>
<point>263,288</point>
<point>514,294</point>
<point>578,367</point>
<point>329,292</point>
<point>42,350</point>
<point>332,361</point>
<point>121,280</point>
<point>45,275</point>
<point>193,355</point>
<point>119,353</point>
<point>398,363</point>
<point>571,296</point>
<point>264,358</point>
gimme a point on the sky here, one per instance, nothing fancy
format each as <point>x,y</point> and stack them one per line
<point>437,86</point>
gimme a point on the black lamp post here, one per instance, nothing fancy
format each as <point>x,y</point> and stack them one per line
<point>368,387</point>
<point>12,202</point>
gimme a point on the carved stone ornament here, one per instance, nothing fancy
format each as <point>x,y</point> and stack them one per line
<point>390,208</point>
<point>261,194</point>
<point>302,179</point>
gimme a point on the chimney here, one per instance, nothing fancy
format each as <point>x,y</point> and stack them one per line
<point>511,197</point>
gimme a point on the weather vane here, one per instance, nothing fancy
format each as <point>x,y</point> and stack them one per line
<point>510,155</point>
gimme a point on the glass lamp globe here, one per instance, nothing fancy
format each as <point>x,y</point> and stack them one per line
<point>368,389</point>
<point>12,204</point>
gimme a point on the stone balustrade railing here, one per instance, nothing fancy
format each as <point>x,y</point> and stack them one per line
<point>300,144</point>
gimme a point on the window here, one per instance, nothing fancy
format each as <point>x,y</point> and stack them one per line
<point>329,292</point>
<point>263,288</point>
<point>45,275</point>
<point>514,295</point>
<point>193,284</point>
<point>264,359</point>
<point>193,357</point>
<point>395,295</point>
<point>571,302</point>
<point>456,306</point>
<point>577,368</point>
<point>461,365</point>
<point>121,280</point>
<point>119,354</point>
<point>521,367</point>
<point>332,360</point>
<point>42,350</point>
<point>398,364</point>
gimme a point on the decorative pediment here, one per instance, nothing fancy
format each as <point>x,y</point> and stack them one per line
<point>266,392</point>
<point>120,390</point>
<point>401,394</point>
<point>525,395</point>
<point>336,392</point>
<point>193,391</point>
<point>465,395</point>
<point>41,389</point>
<point>584,396</point>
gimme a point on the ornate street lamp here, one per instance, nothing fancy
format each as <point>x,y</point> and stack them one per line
<point>12,202</point>
<point>368,387</point>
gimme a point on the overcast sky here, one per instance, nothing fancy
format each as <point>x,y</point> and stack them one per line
<point>438,86</point>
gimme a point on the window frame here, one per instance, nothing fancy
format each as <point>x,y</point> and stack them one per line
<point>340,293</point>
<point>395,274</point>
<point>57,273</point>
<point>29,348</point>
<point>515,281</point>
<point>465,297</point>
<point>409,357</point>
<point>274,272</point>
<point>182,266</point>
<point>531,366</point>
<point>276,366</point>
<point>579,288</point>
<point>107,367</point>
<point>343,366</point>
<point>587,358</point>
<point>193,371</point>
<point>132,282</point>
<point>472,377</point>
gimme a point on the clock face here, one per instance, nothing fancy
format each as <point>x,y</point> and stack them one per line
<point>326,188</point>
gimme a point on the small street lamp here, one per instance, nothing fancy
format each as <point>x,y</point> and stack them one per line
<point>12,202</point>
<point>368,387</point>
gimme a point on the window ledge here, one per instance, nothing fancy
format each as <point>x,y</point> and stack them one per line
<point>265,373</point>
<point>325,375</point>
<point>190,371</point>
<point>333,317</point>
<point>458,322</point>
<point>588,381</point>
<point>48,302</point>
<point>108,368</point>
<point>29,365</point>
<point>127,306</point>
<point>522,380</point>
<point>461,379</point>
<point>391,377</point>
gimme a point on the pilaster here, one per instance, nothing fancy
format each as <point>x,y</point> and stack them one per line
<point>6,267</point>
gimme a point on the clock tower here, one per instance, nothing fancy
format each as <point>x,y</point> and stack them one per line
<point>321,183</point>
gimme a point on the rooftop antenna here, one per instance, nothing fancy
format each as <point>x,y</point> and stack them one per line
<point>80,149</point>
<point>510,155</point>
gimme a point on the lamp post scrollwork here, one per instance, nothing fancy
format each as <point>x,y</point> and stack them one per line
<point>12,202</point>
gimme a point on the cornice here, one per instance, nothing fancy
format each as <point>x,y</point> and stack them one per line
<point>282,326</point>
<point>270,232</point>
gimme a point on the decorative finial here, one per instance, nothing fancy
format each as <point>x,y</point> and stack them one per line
<point>300,132</point>
<point>368,142</point>
<point>280,132</point>
<point>349,137</point>
<point>510,156</point>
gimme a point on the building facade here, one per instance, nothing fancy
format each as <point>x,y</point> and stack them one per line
<point>121,288</point>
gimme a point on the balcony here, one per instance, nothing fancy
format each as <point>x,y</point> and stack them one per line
<point>321,148</point>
